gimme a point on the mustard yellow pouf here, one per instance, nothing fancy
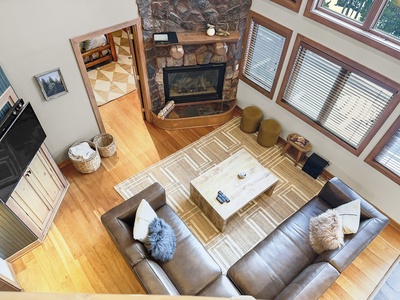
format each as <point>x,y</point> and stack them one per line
<point>268,133</point>
<point>251,118</point>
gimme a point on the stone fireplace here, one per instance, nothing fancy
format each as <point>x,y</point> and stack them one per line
<point>192,17</point>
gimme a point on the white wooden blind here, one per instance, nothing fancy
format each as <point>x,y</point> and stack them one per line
<point>344,102</point>
<point>262,56</point>
<point>389,156</point>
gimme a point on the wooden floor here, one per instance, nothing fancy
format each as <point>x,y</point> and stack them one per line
<point>77,256</point>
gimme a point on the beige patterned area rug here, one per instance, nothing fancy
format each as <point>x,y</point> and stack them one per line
<point>251,224</point>
<point>114,79</point>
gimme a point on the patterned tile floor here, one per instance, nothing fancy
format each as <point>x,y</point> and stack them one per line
<point>114,79</point>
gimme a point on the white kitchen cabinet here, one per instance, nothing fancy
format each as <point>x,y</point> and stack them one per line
<point>38,194</point>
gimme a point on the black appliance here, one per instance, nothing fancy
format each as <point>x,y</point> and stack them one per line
<point>314,165</point>
<point>21,136</point>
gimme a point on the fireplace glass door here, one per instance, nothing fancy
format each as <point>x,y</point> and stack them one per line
<point>194,83</point>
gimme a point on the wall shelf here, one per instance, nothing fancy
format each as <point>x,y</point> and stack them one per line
<point>200,38</point>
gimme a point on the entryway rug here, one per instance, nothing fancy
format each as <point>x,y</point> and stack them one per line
<point>389,287</point>
<point>255,221</point>
<point>114,79</point>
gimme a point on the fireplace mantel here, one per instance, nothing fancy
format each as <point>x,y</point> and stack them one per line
<point>201,38</point>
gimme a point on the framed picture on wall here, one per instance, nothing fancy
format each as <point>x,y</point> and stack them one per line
<point>52,84</point>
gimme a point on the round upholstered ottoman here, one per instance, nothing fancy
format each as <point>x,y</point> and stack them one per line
<point>251,118</point>
<point>268,133</point>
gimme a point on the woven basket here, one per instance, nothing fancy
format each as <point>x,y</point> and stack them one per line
<point>105,142</point>
<point>85,165</point>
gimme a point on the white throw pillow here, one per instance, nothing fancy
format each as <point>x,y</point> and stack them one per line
<point>144,215</point>
<point>350,214</point>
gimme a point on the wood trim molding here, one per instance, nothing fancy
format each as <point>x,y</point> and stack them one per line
<point>277,28</point>
<point>370,38</point>
<point>370,159</point>
<point>136,24</point>
<point>302,40</point>
<point>293,5</point>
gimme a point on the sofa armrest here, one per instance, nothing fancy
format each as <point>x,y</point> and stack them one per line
<point>119,222</point>
<point>311,283</point>
<point>372,222</point>
<point>335,192</point>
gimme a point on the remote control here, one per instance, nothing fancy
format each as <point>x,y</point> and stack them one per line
<point>223,196</point>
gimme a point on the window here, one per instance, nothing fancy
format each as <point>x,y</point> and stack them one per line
<point>266,46</point>
<point>385,157</point>
<point>342,99</point>
<point>374,22</point>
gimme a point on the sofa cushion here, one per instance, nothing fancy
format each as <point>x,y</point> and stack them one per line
<point>311,283</point>
<point>192,268</point>
<point>153,278</point>
<point>222,287</point>
<point>271,265</point>
<point>350,214</point>
<point>326,231</point>
<point>144,215</point>
<point>161,240</point>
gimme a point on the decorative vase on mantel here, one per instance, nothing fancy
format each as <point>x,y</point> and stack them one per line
<point>210,29</point>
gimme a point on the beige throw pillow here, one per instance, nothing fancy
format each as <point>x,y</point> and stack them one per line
<point>144,215</point>
<point>326,231</point>
<point>350,214</point>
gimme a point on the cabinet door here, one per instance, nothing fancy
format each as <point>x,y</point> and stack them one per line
<point>45,181</point>
<point>30,206</point>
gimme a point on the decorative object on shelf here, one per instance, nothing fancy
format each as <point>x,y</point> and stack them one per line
<point>222,32</point>
<point>165,38</point>
<point>166,110</point>
<point>105,143</point>
<point>82,163</point>
<point>299,140</point>
<point>210,29</point>
<point>242,175</point>
<point>52,84</point>
<point>177,51</point>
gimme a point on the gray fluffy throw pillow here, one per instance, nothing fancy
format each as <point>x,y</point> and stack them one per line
<point>161,240</point>
<point>326,231</point>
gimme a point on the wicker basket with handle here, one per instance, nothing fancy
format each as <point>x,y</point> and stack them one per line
<point>105,142</point>
<point>83,165</point>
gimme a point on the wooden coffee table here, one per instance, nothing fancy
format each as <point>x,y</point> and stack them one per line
<point>224,177</point>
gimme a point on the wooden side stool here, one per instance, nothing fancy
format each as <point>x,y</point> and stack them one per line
<point>268,133</point>
<point>251,119</point>
<point>300,150</point>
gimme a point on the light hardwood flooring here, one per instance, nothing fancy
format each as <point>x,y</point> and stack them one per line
<point>77,256</point>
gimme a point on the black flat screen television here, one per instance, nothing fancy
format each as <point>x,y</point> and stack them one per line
<point>19,142</point>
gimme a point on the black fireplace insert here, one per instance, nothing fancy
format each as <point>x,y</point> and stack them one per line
<point>194,83</point>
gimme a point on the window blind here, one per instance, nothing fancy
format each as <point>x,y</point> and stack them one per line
<point>345,103</point>
<point>262,56</point>
<point>389,156</point>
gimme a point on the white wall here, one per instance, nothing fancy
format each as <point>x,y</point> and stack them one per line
<point>381,191</point>
<point>34,38</point>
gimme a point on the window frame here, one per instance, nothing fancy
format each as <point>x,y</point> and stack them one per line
<point>365,33</point>
<point>275,27</point>
<point>289,4</point>
<point>370,159</point>
<point>352,66</point>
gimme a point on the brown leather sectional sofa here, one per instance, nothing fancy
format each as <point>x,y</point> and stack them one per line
<point>282,266</point>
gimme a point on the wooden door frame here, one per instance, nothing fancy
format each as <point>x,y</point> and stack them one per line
<point>141,73</point>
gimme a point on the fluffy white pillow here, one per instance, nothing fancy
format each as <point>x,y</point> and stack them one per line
<point>326,231</point>
<point>350,214</point>
<point>144,215</point>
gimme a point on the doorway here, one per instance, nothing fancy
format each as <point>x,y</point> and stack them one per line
<point>107,53</point>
